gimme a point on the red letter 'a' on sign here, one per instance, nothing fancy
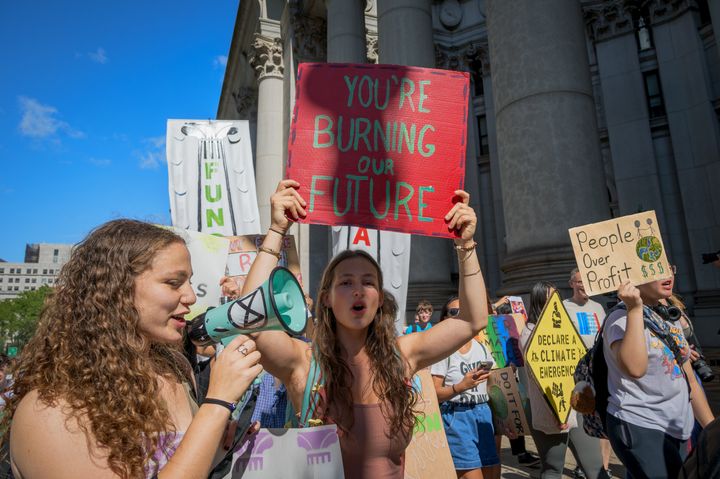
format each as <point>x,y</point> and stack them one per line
<point>362,235</point>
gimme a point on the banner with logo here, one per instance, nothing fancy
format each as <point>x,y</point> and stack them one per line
<point>211,178</point>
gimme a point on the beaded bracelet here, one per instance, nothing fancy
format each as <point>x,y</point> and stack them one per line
<point>466,248</point>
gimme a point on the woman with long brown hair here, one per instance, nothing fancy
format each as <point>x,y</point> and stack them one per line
<point>102,389</point>
<point>366,369</point>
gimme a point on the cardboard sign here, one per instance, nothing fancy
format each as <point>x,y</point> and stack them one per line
<point>208,256</point>
<point>309,453</point>
<point>379,146</point>
<point>244,249</point>
<point>428,454</point>
<point>552,353</point>
<point>506,403</point>
<point>504,335</point>
<point>622,249</point>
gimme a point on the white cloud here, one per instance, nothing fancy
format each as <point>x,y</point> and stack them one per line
<point>220,61</point>
<point>100,161</point>
<point>99,56</point>
<point>154,154</point>
<point>40,121</point>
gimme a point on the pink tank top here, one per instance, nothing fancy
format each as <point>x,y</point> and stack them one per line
<point>368,453</point>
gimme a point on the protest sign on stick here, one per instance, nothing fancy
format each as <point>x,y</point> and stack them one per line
<point>622,249</point>
<point>428,454</point>
<point>379,146</point>
<point>552,353</point>
<point>503,333</point>
<point>506,403</point>
<point>244,249</point>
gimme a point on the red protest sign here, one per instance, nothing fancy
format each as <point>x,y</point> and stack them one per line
<point>379,146</point>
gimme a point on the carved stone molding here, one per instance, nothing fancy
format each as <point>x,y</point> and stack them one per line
<point>245,101</point>
<point>266,57</point>
<point>369,5</point>
<point>373,55</point>
<point>664,10</point>
<point>310,34</point>
<point>472,58</point>
<point>609,19</point>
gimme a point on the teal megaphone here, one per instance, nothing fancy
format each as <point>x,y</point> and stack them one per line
<point>278,304</point>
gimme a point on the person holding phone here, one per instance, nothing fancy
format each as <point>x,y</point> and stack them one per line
<point>461,385</point>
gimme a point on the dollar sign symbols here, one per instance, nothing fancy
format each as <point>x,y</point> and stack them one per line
<point>644,272</point>
<point>660,267</point>
<point>652,268</point>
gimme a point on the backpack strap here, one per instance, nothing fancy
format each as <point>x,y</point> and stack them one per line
<point>312,395</point>
<point>311,400</point>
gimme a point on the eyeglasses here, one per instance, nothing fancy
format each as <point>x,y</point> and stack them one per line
<point>453,312</point>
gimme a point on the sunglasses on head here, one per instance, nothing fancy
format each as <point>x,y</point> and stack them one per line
<point>453,312</point>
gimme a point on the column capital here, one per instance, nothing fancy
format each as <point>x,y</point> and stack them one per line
<point>608,19</point>
<point>266,57</point>
<point>471,58</point>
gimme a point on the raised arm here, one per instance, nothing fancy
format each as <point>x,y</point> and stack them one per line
<point>427,347</point>
<point>282,355</point>
<point>631,351</point>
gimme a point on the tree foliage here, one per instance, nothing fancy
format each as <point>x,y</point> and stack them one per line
<point>19,316</point>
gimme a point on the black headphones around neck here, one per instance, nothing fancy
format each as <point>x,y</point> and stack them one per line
<point>668,313</point>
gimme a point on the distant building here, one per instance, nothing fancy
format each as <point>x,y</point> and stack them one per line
<point>41,267</point>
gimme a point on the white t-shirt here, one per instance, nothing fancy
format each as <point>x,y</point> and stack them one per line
<point>658,400</point>
<point>587,319</point>
<point>454,368</point>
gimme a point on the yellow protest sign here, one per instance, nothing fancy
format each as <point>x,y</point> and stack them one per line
<point>622,249</point>
<point>552,353</point>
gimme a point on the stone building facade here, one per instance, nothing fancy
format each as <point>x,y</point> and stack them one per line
<point>583,110</point>
<point>41,267</point>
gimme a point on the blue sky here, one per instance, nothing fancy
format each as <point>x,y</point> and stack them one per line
<point>85,92</point>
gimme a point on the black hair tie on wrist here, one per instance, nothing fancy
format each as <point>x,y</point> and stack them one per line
<point>219,402</point>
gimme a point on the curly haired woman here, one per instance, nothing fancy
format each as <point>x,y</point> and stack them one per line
<point>102,390</point>
<point>365,368</point>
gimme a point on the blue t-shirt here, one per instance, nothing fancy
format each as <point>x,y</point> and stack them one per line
<point>417,327</point>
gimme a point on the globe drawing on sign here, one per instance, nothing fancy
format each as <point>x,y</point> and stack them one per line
<point>497,402</point>
<point>648,247</point>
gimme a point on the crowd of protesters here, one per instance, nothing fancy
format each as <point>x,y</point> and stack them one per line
<point>133,405</point>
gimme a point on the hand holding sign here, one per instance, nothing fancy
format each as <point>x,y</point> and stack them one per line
<point>462,218</point>
<point>286,205</point>
<point>630,295</point>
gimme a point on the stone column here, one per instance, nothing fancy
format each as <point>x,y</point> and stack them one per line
<point>548,147</point>
<point>405,37</point>
<point>266,59</point>
<point>346,31</point>
<point>714,7</point>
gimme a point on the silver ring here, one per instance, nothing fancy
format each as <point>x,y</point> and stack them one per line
<point>242,350</point>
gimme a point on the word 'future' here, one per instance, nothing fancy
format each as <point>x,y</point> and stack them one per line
<point>357,135</point>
